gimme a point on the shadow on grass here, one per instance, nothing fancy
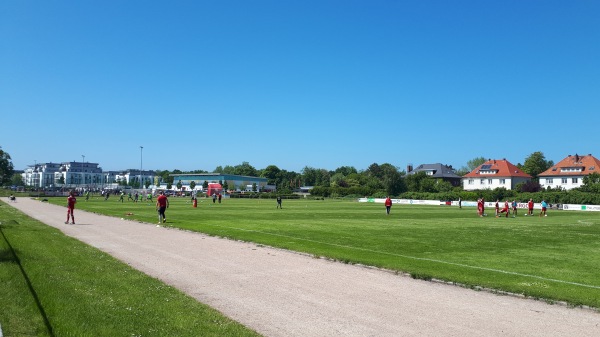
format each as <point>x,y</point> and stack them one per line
<point>6,256</point>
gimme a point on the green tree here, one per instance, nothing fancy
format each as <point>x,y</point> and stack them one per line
<point>443,186</point>
<point>6,167</point>
<point>591,183</point>
<point>228,169</point>
<point>147,183</point>
<point>338,179</point>
<point>271,172</point>
<point>17,180</point>
<point>536,163</point>
<point>375,171</point>
<point>205,185</point>
<point>179,185</point>
<point>393,183</point>
<point>415,180</point>
<point>192,185</point>
<point>345,170</point>
<point>592,178</point>
<point>245,169</point>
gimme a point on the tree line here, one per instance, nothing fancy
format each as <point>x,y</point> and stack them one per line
<point>376,180</point>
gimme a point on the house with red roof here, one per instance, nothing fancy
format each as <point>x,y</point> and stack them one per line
<point>494,173</point>
<point>569,172</point>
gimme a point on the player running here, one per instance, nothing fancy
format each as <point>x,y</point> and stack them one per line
<point>162,203</point>
<point>71,201</point>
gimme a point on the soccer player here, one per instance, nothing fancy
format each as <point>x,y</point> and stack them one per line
<point>162,203</point>
<point>388,205</point>
<point>505,209</point>
<point>122,197</point>
<point>480,207</point>
<point>530,207</point>
<point>279,202</point>
<point>497,207</point>
<point>544,206</point>
<point>71,201</point>
<point>514,207</point>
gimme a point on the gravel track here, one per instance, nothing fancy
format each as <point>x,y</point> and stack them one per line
<point>282,293</point>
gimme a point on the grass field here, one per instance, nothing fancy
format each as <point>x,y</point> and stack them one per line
<point>556,258</point>
<point>57,286</point>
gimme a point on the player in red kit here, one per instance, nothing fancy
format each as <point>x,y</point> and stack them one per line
<point>162,203</point>
<point>530,207</point>
<point>388,205</point>
<point>71,201</point>
<point>505,209</point>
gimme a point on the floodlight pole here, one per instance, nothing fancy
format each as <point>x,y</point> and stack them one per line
<point>141,166</point>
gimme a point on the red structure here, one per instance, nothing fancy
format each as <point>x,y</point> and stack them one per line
<point>214,189</point>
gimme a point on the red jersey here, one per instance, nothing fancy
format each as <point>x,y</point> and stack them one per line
<point>388,202</point>
<point>71,201</point>
<point>530,204</point>
<point>162,200</point>
<point>506,205</point>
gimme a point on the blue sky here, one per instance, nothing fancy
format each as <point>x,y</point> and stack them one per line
<point>297,83</point>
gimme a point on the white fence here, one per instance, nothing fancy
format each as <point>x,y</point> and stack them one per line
<point>523,205</point>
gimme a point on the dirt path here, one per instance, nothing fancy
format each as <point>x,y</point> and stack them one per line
<point>281,293</point>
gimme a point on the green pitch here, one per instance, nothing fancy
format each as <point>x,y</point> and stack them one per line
<point>556,258</point>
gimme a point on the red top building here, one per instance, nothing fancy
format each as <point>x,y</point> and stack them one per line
<point>569,172</point>
<point>494,173</point>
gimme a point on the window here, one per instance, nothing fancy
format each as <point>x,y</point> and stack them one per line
<point>490,181</point>
<point>482,182</point>
<point>549,181</point>
<point>471,181</point>
<point>564,180</point>
<point>574,180</point>
<point>502,181</point>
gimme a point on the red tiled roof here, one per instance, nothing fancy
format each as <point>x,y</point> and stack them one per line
<point>586,165</point>
<point>496,168</point>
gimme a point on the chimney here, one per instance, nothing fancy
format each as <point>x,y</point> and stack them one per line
<point>409,168</point>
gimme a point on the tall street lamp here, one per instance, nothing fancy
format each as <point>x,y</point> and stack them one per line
<point>141,166</point>
<point>82,174</point>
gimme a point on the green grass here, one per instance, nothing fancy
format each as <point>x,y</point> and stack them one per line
<point>556,258</point>
<point>85,292</point>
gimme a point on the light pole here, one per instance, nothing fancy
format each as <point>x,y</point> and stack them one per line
<point>83,158</point>
<point>141,166</point>
<point>33,173</point>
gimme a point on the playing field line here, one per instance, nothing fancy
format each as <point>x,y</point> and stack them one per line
<point>417,258</point>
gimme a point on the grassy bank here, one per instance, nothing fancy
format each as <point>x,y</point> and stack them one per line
<point>556,257</point>
<point>76,290</point>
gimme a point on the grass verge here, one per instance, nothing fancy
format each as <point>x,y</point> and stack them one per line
<point>85,292</point>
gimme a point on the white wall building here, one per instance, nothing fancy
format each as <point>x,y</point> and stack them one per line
<point>65,174</point>
<point>569,172</point>
<point>493,174</point>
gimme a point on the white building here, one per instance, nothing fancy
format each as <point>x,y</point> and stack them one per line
<point>65,174</point>
<point>128,177</point>
<point>493,174</point>
<point>569,172</point>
